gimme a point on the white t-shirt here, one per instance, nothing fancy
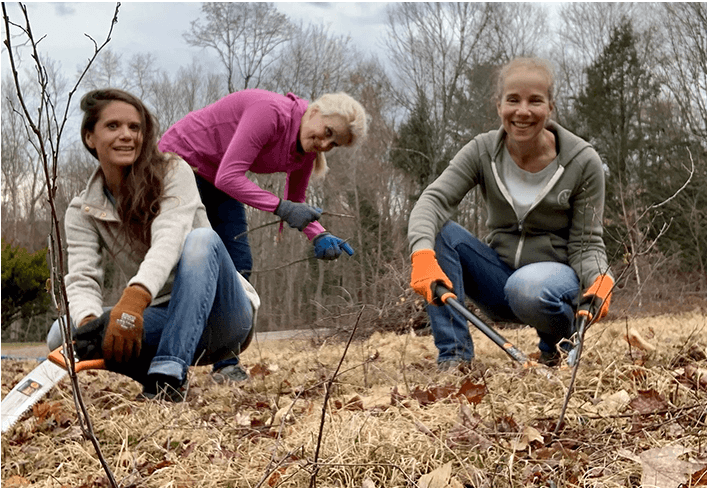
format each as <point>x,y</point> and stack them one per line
<point>524,186</point>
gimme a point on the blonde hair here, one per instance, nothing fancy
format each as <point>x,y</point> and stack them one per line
<point>539,64</point>
<point>351,111</point>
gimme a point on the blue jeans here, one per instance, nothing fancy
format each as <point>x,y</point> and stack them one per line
<point>228,218</point>
<point>206,320</point>
<point>542,295</point>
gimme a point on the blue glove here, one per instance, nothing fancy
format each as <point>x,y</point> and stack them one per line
<point>329,247</point>
<point>297,215</point>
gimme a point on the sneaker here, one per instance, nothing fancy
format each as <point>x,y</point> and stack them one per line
<point>549,358</point>
<point>553,358</point>
<point>163,388</point>
<point>230,373</point>
<point>454,364</point>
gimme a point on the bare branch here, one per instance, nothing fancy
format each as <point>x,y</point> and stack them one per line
<point>46,117</point>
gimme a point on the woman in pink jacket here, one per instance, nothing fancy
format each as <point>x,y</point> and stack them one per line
<point>264,132</point>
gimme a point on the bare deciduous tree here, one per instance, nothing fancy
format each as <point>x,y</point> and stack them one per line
<point>581,36</point>
<point>519,29</point>
<point>245,36</point>
<point>107,72</point>
<point>313,63</point>
<point>682,67</point>
<point>141,70</point>
<point>431,44</point>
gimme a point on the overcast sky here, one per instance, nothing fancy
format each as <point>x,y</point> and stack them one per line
<point>158,27</point>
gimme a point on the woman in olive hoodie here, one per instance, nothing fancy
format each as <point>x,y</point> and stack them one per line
<point>544,192</point>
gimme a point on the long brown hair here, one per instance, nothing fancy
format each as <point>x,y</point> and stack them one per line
<point>138,201</point>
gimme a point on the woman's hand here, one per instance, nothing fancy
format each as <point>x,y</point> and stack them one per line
<point>89,336</point>
<point>125,328</point>
<point>425,273</point>
<point>297,215</point>
<point>329,247</point>
<point>596,299</point>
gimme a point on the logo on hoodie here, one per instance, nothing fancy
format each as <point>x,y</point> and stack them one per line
<point>563,197</point>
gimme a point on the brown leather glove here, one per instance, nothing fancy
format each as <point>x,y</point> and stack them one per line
<point>124,334</point>
<point>425,273</point>
<point>597,298</point>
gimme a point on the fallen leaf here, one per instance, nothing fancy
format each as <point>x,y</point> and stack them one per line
<point>354,404</point>
<point>699,478</point>
<point>149,467</point>
<point>636,340</point>
<point>242,419</point>
<point>396,398</point>
<point>693,377</point>
<point>649,401</point>
<point>467,417</point>
<point>275,477</point>
<point>442,391</point>
<point>282,415</point>
<point>529,435</point>
<point>259,370</point>
<point>662,467</point>
<point>367,482</point>
<point>462,435</point>
<point>438,477</point>
<point>610,405</point>
<point>506,424</point>
<point>46,411</point>
<point>424,397</point>
<point>16,481</point>
<point>474,393</point>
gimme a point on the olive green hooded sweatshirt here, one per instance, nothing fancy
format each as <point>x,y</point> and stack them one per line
<point>564,224</point>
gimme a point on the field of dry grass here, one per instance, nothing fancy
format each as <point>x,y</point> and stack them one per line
<point>637,418</point>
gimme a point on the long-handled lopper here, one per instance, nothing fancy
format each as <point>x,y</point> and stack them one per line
<point>448,298</point>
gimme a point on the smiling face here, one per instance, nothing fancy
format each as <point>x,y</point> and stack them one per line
<point>117,137</point>
<point>320,133</point>
<point>524,106</point>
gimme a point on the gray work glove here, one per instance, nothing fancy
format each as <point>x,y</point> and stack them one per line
<point>297,215</point>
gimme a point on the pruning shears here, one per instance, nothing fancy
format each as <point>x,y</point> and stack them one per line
<point>581,322</point>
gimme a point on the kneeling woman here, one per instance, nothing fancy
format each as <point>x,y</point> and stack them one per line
<point>184,302</point>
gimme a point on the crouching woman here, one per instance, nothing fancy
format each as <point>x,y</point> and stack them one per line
<point>183,303</point>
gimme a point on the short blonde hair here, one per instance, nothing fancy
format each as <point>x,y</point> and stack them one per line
<point>351,111</point>
<point>539,64</point>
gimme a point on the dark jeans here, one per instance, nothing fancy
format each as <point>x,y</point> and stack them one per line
<point>228,218</point>
<point>541,295</point>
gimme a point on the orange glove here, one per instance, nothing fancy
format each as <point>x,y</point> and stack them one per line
<point>597,298</point>
<point>124,334</point>
<point>426,273</point>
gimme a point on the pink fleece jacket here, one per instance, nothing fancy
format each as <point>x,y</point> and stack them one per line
<point>254,130</point>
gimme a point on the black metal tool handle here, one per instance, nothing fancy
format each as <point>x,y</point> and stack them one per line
<point>441,291</point>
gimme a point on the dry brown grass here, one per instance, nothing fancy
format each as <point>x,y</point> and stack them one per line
<point>392,419</point>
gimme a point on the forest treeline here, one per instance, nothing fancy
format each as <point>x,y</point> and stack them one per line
<point>631,79</point>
